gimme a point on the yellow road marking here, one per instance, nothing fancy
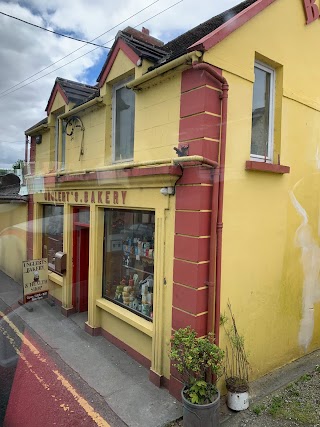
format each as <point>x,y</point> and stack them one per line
<point>65,383</point>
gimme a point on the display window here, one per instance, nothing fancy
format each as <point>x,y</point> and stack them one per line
<point>128,260</point>
<point>52,237</point>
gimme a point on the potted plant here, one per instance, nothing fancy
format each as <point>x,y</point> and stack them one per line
<point>199,362</point>
<point>236,366</point>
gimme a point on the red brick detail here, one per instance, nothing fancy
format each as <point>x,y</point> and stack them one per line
<point>193,198</point>
<point>192,79</point>
<point>175,387</point>
<point>191,249</point>
<point>187,273</point>
<point>230,26</point>
<point>201,126</point>
<point>181,319</point>
<point>202,147</point>
<point>127,349</point>
<point>189,299</point>
<point>200,100</point>
<point>120,45</point>
<point>193,223</point>
<point>266,167</point>
<point>196,175</point>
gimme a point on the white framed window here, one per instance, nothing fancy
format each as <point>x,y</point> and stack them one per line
<point>263,113</point>
<point>123,112</point>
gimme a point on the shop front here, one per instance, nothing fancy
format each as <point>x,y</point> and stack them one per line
<point>110,257</point>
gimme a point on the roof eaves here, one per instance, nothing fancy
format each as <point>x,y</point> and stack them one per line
<point>230,26</point>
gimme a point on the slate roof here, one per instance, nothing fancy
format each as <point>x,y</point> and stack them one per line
<point>42,122</point>
<point>179,45</point>
<point>77,93</point>
<point>143,49</point>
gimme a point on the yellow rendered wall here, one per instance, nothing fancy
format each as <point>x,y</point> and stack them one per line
<point>45,154</point>
<point>271,246</point>
<point>13,225</point>
<point>135,339</point>
<point>157,119</point>
<point>92,140</point>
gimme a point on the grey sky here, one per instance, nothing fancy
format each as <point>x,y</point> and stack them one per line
<point>25,50</point>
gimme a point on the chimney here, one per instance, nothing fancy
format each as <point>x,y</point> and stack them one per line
<point>145,31</point>
<point>143,35</point>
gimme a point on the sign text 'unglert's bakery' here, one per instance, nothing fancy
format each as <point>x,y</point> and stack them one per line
<point>312,10</point>
<point>103,197</point>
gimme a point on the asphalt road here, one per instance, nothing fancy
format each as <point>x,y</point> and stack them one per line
<point>37,388</point>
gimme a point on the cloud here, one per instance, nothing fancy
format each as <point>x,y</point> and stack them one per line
<point>25,50</point>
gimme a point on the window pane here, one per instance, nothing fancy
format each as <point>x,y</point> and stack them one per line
<point>129,260</point>
<point>124,124</point>
<point>52,238</point>
<point>260,113</point>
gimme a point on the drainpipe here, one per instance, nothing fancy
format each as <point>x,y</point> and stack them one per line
<point>217,200</point>
<point>26,151</point>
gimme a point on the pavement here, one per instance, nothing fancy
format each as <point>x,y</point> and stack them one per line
<point>121,382</point>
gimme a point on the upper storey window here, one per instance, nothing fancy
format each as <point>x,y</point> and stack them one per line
<point>263,113</point>
<point>123,107</point>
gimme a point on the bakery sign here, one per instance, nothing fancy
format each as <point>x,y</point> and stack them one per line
<point>312,10</point>
<point>35,280</point>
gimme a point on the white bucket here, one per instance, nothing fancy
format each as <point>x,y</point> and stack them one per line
<point>238,401</point>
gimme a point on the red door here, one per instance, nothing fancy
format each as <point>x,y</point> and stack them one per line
<point>80,265</point>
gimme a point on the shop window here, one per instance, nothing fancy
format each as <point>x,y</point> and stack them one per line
<point>52,229</point>
<point>128,260</point>
<point>123,107</point>
<point>263,113</point>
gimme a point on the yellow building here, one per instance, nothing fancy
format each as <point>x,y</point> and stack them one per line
<point>154,239</point>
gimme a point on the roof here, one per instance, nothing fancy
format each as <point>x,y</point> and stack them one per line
<point>77,93</point>
<point>42,122</point>
<point>180,45</point>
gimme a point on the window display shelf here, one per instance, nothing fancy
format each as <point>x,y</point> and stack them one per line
<point>137,269</point>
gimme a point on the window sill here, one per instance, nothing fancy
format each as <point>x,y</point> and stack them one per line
<point>252,165</point>
<point>55,278</point>
<point>126,316</point>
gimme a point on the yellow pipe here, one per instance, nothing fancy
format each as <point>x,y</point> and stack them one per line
<point>120,166</point>
<point>193,56</point>
<point>36,130</point>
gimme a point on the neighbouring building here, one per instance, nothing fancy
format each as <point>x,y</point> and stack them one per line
<point>187,177</point>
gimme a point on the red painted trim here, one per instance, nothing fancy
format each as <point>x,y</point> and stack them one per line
<point>192,79</point>
<point>266,167</point>
<point>191,248</point>
<point>124,347</point>
<point>196,174</point>
<point>57,88</point>
<point>190,274</point>
<point>181,319</point>
<point>195,198</point>
<point>67,311</point>
<point>120,45</point>
<point>175,387</point>
<point>231,25</point>
<point>123,173</point>
<point>193,223</point>
<point>155,378</point>
<point>189,299</point>
<point>203,99</point>
<point>200,126</point>
<point>94,332</point>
